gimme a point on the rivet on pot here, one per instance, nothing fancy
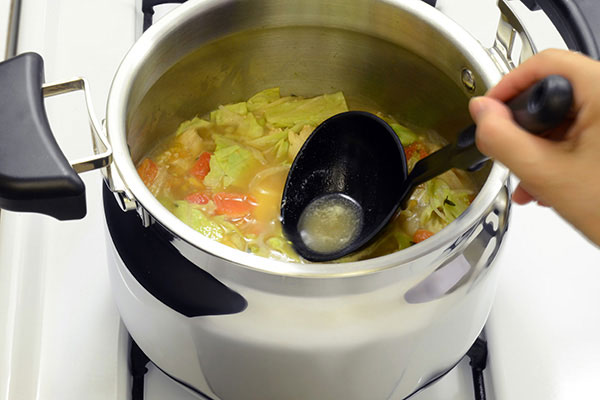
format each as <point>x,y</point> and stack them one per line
<point>468,79</point>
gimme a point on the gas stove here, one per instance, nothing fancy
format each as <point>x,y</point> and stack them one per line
<point>61,335</point>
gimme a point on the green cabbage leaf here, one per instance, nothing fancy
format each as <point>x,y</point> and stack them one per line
<point>230,164</point>
<point>261,99</point>
<point>193,216</point>
<point>443,202</point>
<point>405,135</point>
<point>193,123</point>
<point>288,112</point>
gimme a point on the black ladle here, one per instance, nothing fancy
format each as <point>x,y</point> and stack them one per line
<point>357,157</point>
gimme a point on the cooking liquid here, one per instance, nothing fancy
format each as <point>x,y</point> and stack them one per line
<point>329,223</point>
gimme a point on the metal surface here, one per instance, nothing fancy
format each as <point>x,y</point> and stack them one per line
<point>102,151</point>
<point>401,57</point>
<point>13,27</point>
<point>509,29</point>
<point>468,80</point>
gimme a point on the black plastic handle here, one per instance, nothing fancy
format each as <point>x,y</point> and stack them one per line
<point>538,109</point>
<point>35,176</point>
<point>167,275</point>
<point>544,105</point>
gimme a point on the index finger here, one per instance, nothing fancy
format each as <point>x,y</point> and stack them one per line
<point>577,68</point>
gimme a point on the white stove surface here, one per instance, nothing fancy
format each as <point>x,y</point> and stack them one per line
<point>5,11</point>
<point>60,333</point>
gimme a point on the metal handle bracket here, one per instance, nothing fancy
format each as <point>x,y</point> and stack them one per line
<point>102,151</point>
<point>510,28</point>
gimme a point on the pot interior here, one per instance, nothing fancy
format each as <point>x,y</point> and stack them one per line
<point>403,58</point>
<point>401,66</point>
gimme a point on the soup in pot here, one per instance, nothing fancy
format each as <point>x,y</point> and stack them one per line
<point>223,175</point>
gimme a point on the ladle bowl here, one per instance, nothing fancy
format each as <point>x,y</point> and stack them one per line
<point>358,157</point>
<point>356,154</point>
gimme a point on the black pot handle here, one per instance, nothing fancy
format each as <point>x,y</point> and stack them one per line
<point>578,22</point>
<point>161,269</point>
<point>35,176</point>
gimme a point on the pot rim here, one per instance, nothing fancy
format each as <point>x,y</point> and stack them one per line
<point>116,127</point>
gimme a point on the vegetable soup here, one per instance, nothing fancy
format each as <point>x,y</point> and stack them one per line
<point>223,175</point>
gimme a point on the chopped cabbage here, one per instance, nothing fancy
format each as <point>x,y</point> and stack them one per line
<point>267,141</point>
<point>224,114</point>
<point>405,135</point>
<point>193,123</point>
<point>290,111</point>
<point>280,244</point>
<point>263,98</point>
<point>443,202</point>
<point>190,141</point>
<point>229,164</point>
<point>297,139</point>
<point>282,148</point>
<point>404,241</point>
<point>194,217</point>
<point>237,115</point>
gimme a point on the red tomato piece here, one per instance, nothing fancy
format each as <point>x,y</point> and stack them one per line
<point>234,205</point>
<point>197,198</point>
<point>202,166</point>
<point>415,148</point>
<point>421,234</point>
<point>148,171</point>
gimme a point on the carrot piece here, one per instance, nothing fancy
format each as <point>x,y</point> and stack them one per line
<point>197,198</point>
<point>415,148</point>
<point>234,205</point>
<point>421,234</point>
<point>148,171</point>
<point>202,166</point>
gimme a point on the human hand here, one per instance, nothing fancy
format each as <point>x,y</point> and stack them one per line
<point>561,170</point>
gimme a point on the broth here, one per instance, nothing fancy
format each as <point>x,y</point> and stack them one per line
<point>329,223</point>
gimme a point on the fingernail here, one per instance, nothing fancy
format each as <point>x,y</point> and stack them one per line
<point>477,106</point>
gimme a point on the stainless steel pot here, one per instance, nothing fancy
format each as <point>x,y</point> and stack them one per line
<point>380,328</point>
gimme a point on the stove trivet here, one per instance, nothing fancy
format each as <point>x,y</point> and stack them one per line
<point>148,9</point>
<point>477,355</point>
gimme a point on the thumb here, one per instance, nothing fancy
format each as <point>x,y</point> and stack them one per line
<point>499,137</point>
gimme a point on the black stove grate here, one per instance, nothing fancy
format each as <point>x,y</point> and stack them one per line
<point>478,354</point>
<point>148,9</point>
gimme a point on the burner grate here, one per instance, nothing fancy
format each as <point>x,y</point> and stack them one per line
<point>148,9</point>
<point>478,355</point>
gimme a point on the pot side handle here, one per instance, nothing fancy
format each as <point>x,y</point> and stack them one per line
<point>35,176</point>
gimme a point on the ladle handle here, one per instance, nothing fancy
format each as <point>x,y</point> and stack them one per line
<point>538,109</point>
<point>544,105</point>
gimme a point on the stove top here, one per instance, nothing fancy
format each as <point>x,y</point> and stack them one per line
<point>60,332</point>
